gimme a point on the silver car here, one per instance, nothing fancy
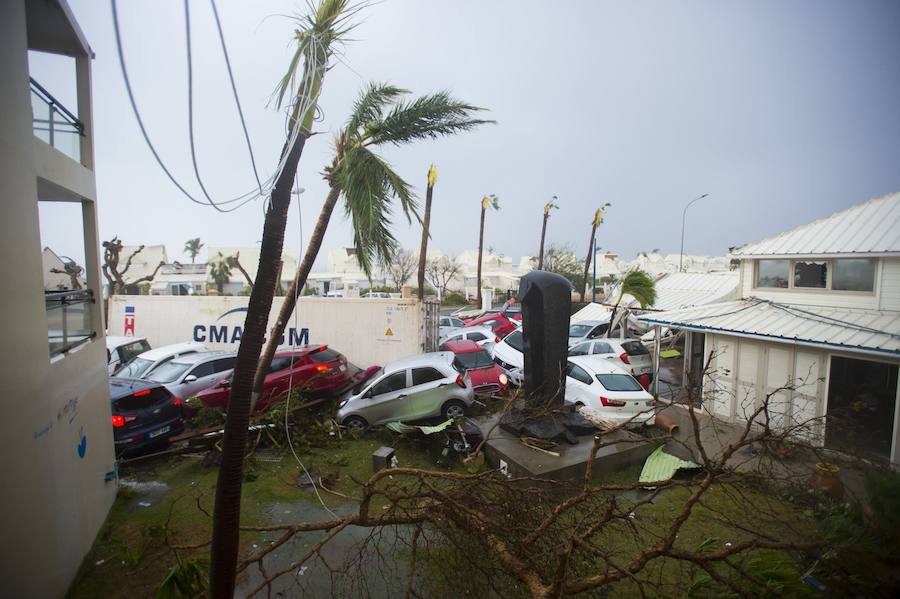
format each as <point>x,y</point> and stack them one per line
<point>449,324</point>
<point>586,330</point>
<point>187,375</point>
<point>483,336</point>
<point>422,386</point>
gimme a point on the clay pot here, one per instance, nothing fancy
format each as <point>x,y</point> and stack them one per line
<point>827,480</point>
<point>666,423</point>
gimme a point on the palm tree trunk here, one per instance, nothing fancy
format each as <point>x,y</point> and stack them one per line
<point>612,317</point>
<point>290,299</point>
<point>480,249</point>
<point>587,261</point>
<point>543,234</point>
<point>227,513</point>
<point>424,247</point>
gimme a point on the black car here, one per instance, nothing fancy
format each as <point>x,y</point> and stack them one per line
<point>144,414</point>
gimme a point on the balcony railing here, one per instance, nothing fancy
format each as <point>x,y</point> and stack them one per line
<point>54,123</point>
<point>69,322</point>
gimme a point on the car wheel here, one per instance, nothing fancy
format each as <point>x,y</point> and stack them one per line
<point>578,405</point>
<point>453,410</point>
<point>355,424</point>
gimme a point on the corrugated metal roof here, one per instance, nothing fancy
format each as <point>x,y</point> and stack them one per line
<point>837,328</point>
<point>679,290</point>
<point>593,311</point>
<point>870,228</point>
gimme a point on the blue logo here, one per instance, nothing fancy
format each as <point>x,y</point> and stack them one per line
<point>82,446</point>
<point>226,334</point>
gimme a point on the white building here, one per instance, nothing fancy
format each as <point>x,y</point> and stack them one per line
<point>56,451</point>
<point>819,312</point>
<point>248,257</point>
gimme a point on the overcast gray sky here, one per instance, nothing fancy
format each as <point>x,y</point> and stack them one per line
<point>783,112</point>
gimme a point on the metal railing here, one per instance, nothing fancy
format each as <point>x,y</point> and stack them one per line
<point>69,322</point>
<point>54,123</point>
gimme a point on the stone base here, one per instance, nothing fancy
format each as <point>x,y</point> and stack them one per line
<point>629,448</point>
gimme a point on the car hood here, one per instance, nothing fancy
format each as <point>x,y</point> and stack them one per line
<point>485,376</point>
<point>509,355</point>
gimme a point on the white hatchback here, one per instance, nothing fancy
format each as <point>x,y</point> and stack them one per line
<point>630,354</point>
<point>601,385</point>
<point>142,365</point>
<point>507,354</point>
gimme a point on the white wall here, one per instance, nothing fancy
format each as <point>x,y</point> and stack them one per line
<point>367,331</point>
<point>55,498</point>
<point>889,290</point>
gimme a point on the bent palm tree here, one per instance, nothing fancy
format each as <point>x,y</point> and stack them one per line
<point>426,223</point>
<point>638,285</point>
<point>192,248</point>
<point>489,201</point>
<point>598,219</point>
<point>316,36</point>
<point>368,183</point>
<point>547,208</point>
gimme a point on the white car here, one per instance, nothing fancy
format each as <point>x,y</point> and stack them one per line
<point>596,383</point>
<point>483,336</point>
<point>508,355</point>
<point>142,365</point>
<point>630,354</point>
<point>584,330</point>
<point>449,324</point>
<point>120,350</point>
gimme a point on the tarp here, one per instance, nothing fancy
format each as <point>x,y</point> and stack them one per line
<point>661,466</point>
<point>399,427</point>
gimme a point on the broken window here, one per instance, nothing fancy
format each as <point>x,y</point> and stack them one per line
<point>811,274</point>
<point>772,273</point>
<point>855,274</point>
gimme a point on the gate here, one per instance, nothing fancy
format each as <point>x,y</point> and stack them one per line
<point>431,319</point>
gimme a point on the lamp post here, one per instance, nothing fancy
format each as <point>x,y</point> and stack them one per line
<point>683,215</point>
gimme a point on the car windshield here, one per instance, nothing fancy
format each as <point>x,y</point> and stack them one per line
<point>135,368</point>
<point>635,348</point>
<point>619,382</point>
<point>515,341</point>
<point>324,355</point>
<point>475,359</point>
<point>579,330</point>
<point>169,372</point>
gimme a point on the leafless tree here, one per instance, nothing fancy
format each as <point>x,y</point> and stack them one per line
<point>400,267</point>
<point>112,251</point>
<point>440,272</point>
<point>72,270</point>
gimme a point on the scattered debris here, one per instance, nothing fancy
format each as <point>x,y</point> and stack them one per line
<point>661,466</point>
<point>144,503</point>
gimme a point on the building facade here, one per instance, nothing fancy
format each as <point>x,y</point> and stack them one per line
<point>57,457</point>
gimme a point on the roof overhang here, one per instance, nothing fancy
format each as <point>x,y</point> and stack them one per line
<point>52,28</point>
<point>817,256</point>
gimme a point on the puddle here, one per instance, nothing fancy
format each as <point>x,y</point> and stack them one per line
<point>145,493</point>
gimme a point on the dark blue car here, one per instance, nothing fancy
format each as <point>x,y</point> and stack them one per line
<point>144,414</point>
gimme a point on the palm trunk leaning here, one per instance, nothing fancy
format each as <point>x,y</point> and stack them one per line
<point>543,235</point>
<point>426,222</point>
<point>480,250</point>
<point>587,261</point>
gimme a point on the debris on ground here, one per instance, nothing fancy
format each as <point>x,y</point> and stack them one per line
<point>661,466</point>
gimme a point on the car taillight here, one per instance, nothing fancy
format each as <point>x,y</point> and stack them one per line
<point>140,393</point>
<point>118,420</point>
<point>611,403</point>
<point>497,339</point>
<point>460,381</point>
<point>176,401</point>
<point>624,357</point>
<point>322,368</point>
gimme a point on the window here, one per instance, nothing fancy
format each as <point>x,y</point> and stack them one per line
<point>579,330</point>
<point>772,273</point>
<point>127,352</point>
<point>475,359</point>
<point>224,364</point>
<point>619,382</point>
<point>389,384</point>
<point>324,354</point>
<point>445,322</point>
<point>598,330</point>
<point>140,401</point>
<point>455,322</point>
<point>582,349</point>
<point>205,369</point>
<point>601,347</point>
<point>578,373</point>
<point>635,348</point>
<point>811,274</point>
<point>169,372</point>
<point>515,341</point>
<point>476,336</point>
<point>853,274</point>
<point>279,364</point>
<point>425,375</point>
<point>135,368</point>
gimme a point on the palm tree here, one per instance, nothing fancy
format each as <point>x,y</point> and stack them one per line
<point>488,201</point>
<point>192,247</point>
<point>638,285</point>
<point>598,219</point>
<point>220,272</point>
<point>547,208</point>
<point>367,183</point>
<point>316,36</point>
<point>426,223</point>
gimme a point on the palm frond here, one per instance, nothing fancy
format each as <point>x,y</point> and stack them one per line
<point>370,105</point>
<point>426,117</point>
<point>639,285</point>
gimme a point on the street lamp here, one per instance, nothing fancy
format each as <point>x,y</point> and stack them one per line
<point>683,215</point>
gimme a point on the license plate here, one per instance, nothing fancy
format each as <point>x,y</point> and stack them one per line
<point>343,368</point>
<point>159,432</point>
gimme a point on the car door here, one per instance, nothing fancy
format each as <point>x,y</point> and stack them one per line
<point>426,395</point>
<point>578,386</point>
<point>604,349</point>
<point>384,400</point>
<point>277,381</point>
<point>197,378</point>
<point>580,349</point>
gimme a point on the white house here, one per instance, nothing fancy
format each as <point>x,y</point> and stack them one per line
<point>819,312</point>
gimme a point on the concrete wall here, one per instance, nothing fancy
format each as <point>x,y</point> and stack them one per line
<point>367,331</point>
<point>56,451</point>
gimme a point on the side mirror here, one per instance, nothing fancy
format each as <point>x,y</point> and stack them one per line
<point>190,378</point>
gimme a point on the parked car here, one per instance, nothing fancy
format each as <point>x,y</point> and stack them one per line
<point>630,354</point>
<point>120,350</point>
<point>500,324</point>
<point>141,365</point>
<point>584,330</point>
<point>144,413</point>
<point>188,375</point>
<point>487,378</point>
<point>601,385</point>
<point>317,370</point>
<point>423,386</point>
<point>483,336</point>
<point>335,294</point>
<point>449,324</point>
<point>507,354</point>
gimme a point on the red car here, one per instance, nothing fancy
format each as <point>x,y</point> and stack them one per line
<point>314,369</point>
<point>487,378</point>
<point>499,323</point>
